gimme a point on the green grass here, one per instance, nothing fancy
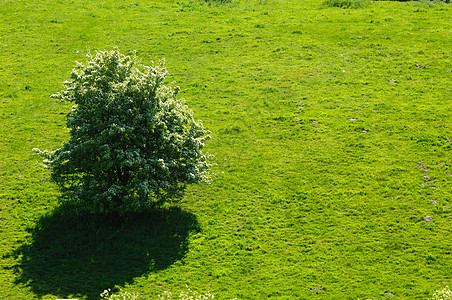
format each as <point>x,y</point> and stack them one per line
<point>331,134</point>
<point>347,3</point>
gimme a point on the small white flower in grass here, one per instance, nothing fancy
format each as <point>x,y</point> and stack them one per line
<point>444,294</point>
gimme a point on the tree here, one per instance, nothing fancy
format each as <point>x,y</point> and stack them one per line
<point>133,144</point>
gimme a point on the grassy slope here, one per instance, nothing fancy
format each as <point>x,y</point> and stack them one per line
<point>324,123</point>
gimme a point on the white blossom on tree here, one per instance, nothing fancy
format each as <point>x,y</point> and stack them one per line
<point>133,144</point>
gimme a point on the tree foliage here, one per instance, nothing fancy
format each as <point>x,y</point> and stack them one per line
<point>133,144</point>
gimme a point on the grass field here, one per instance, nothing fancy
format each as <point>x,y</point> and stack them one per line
<point>332,135</point>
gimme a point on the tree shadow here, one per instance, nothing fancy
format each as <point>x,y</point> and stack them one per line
<point>81,255</point>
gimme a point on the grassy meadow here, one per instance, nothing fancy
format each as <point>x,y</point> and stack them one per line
<point>332,135</point>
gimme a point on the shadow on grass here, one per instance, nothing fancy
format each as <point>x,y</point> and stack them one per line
<point>82,255</point>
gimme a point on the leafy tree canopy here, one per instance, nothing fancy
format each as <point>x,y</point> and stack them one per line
<point>133,144</point>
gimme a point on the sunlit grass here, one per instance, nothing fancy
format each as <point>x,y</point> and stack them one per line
<point>331,130</point>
